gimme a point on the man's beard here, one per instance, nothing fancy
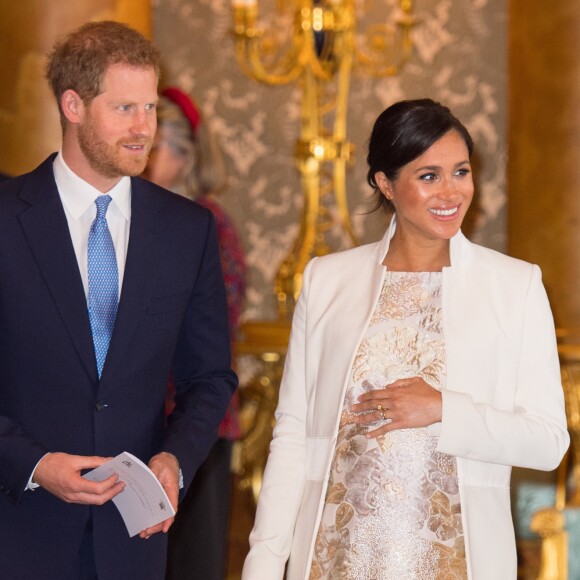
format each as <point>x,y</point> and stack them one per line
<point>108,160</point>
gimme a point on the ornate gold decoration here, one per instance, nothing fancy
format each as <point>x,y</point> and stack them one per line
<point>570,356</point>
<point>550,523</point>
<point>267,343</point>
<point>318,48</point>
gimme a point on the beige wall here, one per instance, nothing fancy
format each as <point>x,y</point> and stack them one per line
<point>29,124</point>
<point>460,60</point>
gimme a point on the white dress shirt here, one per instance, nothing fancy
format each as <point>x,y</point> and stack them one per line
<point>78,199</point>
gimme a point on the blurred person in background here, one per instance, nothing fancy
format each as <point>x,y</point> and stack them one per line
<point>186,159</point>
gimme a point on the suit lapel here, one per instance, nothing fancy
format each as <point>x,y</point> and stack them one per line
<point>141,268</point>
<point>46,229</point>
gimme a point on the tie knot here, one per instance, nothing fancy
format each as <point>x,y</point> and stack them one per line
<point>102,202</point>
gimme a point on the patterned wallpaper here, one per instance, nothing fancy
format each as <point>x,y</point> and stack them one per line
<point>459,59</point>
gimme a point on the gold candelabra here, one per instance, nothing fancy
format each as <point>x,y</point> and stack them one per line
<point>319,48</point>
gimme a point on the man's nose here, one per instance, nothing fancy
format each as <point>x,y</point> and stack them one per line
<point>143,124</point>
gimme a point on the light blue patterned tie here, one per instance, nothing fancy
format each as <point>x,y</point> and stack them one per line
<point>103,281</point>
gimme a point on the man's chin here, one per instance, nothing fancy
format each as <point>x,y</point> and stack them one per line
<point>133,167</point>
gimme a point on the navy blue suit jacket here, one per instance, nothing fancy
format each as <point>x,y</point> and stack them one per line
<point>172,315</point>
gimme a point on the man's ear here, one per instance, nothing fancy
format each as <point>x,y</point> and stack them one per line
<point>384,184</point>
<point>72,106</point>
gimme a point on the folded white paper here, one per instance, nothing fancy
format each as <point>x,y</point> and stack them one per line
<point>143,503</point>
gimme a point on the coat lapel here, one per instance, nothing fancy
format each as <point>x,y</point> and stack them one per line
<point>46,229</point>
<point>354,304</point>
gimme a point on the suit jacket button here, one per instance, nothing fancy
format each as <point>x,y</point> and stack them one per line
<point>101,405</point>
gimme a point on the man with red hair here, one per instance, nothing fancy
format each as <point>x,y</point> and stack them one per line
<point>109,283</point>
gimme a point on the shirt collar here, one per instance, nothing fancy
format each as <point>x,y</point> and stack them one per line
<point>77,195</point>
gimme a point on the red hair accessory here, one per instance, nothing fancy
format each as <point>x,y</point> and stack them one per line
<point>185,103</point>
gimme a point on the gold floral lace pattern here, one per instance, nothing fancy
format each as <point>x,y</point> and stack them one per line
<point>392,509</point>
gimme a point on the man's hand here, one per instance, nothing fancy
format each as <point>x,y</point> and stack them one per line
<point>166,467</point>
<point>60,474</point>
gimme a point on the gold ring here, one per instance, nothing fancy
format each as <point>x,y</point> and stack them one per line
<point>379,407</point>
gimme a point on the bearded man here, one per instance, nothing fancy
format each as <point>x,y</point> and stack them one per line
<point>108,284</point>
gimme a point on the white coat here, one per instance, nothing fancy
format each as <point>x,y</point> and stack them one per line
<point>503,404</point>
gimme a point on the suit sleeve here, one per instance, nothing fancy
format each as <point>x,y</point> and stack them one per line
<point>533,434</point>
<point>19,456</point>
<point>284,476</point>
<point>203,379</point>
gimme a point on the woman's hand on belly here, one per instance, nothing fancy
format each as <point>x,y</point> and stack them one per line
<point>404,404</point>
